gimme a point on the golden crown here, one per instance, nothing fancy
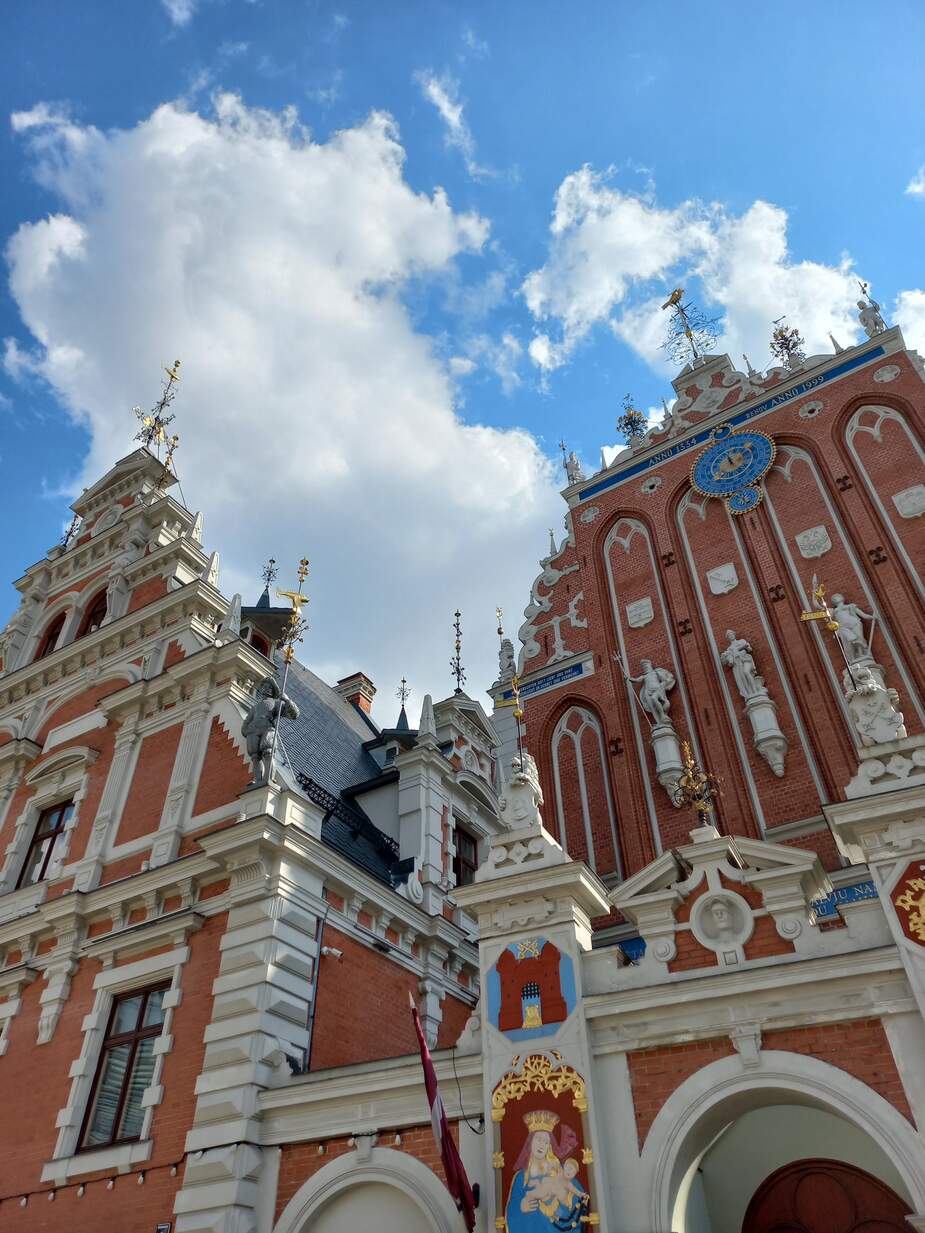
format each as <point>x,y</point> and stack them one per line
<point>541,1119</point>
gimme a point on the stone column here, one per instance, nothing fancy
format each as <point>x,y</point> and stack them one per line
<point>259,1027</point>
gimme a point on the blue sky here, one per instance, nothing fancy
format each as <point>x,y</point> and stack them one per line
<point>764,166</point>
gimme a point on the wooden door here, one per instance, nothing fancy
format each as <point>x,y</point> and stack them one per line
<point>824,1196</point>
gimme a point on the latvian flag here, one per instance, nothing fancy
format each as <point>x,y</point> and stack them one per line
<point>456,1180</point>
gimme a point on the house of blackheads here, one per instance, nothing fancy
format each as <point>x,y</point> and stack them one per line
<point>659,904</point>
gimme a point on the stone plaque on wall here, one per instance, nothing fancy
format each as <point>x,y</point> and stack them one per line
<point>911,501</point>
<point>639,613</point>
<point>723,578</point>
<point>814,542</point>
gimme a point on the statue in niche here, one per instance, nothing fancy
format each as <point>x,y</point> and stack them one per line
<point>506,662</point>
<point>117,589</point>
<point>738,657</point>
<point>870,318</point>
<point>573,470</point>
<point>259,727</point>
<point>656,683</point>
<point>850,632</point>
<point>873,707</point>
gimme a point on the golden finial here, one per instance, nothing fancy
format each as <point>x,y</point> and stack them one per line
<point>154,423</point>
<point>297,624</point>
<point>696,788</point>
<point>171,450</point>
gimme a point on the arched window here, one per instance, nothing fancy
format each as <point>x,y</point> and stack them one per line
<point>94,616</point>
<point>49,639</point>
<point>259,643</point>
<point>583,800</point>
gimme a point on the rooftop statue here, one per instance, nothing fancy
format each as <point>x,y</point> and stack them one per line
<point>259,727</point>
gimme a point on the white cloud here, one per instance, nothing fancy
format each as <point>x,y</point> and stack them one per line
<point>502,357</point>
<point>910,317</point>
<point>443,92</point>
<point>313,417</point>
<point>461,366</point>
<point>614,256</point>
<point>180,12</point>
<point>916,186</point>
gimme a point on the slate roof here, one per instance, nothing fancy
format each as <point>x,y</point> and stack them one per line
<point>326,746</point>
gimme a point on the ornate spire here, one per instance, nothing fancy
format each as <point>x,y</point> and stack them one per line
<point>456,662</point>
<point>787,344</point>
<point>297,624</point>
<point>403,693</point>
<point>696,788</point>
<point>690,332</point>
<point>154,423</point>
<point>632,423</point>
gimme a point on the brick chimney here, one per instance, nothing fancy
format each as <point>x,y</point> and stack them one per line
<point>357,689</point>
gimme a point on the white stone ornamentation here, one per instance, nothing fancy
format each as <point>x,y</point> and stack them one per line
<point>872,706</point>
<point>650,485</point>
<point>811,409</point>
<point>889,372</point>
<point>588,515</point>
<point>760,708</point>
<point>722,578</point>
<point>639,613</point>
<point>814,542</point>
<point>910,503</point>
<point>722,921</point>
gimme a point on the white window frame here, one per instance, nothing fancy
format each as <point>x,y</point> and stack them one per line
<point>53,784</point>
<point>67,1161</point>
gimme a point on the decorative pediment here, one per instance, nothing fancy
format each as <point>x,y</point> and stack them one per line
<point>75,758</point>
<point>712,896</point>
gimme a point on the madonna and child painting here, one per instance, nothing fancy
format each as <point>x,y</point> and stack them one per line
<point>546,1193</point>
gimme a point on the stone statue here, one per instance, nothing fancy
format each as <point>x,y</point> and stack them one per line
<point>656,682</point>
<point>522,796</point>
<point>872,706</point>
<point>573,469</point>
<point>738,657</point>
<point>869,316</point>
<point>117,589</point>
<point>850,632</point>
<point>506,662</point>
<point>270,705</point>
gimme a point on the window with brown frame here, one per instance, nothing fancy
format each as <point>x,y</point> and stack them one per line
<point>466,860</point>
<point>94,616</point>
<point>48,830</point>
<point>115,1113</point>
<point>49,639</point>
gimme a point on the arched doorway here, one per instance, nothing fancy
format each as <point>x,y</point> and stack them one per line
<point>371,1205</point>
<point>824,1196</point>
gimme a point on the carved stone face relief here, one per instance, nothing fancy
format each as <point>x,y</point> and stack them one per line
<point>722,921</point>
<point>722,578</point>
<point>814,542</point>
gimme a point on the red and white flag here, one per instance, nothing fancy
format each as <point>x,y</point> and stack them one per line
<point>456,1180</point>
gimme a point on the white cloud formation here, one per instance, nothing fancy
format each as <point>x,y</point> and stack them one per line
<point>443,92</point>
<point>910,317</point>
<point>180,12</point>
<point>313,417</point>
<point>614,256</point>
<point>916,186</point>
